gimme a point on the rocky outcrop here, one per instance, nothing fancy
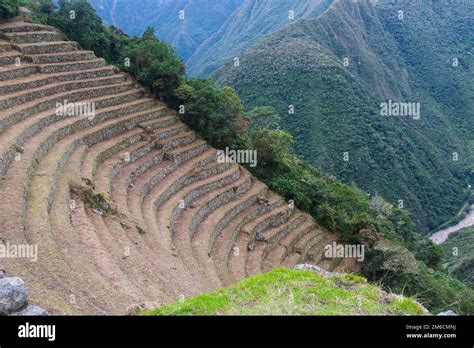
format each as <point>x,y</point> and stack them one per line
<point>309,267</point>
<point>14,298</point>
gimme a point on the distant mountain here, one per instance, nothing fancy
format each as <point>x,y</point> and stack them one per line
<point>251,21</point>
<point>212,32</point>
<point>201,19</point>
<point>337,70</point>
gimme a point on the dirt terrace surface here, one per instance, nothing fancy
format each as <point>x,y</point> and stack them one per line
<point>127,205</point>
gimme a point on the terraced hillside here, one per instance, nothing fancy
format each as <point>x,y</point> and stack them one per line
<point>126,205</point>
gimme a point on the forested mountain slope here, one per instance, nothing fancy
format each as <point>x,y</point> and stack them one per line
<point>200,19</point>
<point>337,70</point>
<point>248,24</point>
<point>208,33</point>
<point>459,257</point>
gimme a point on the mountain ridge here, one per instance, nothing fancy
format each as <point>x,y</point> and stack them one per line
<point>209,35</point>
<point>278,72</point>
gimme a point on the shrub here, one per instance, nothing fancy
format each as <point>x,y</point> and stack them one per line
<point>398,270</point>
<point>214,113</point>
<point>9,8</point>
<point>154,63</point>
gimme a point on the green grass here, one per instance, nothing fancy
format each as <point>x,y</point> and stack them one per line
<point>295,292</point>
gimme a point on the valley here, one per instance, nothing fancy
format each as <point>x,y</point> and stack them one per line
<point>441,236</point>
<point>339,70</point>
<point>207,33</point>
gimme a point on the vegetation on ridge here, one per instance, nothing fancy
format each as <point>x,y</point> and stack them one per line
<point>459,255</point>
<point>295,292</point>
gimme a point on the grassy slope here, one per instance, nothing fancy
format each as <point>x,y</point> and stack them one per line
<point>337,107</point>
<point>291,292</point>
<point>459,255</point>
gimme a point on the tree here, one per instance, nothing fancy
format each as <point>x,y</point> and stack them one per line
<point>154,64</point>
<point>263,117</point>
<point>9,8</point>
<point>80,22</point>
<point>236,110</point>
<point>149,34</point>
<point>47,7</point>
<point>273,146</point>
<point>215,113</point>
<point>380,207</point>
